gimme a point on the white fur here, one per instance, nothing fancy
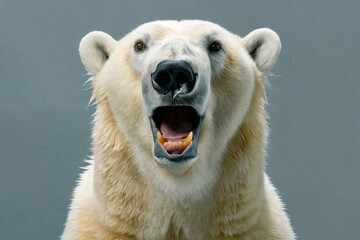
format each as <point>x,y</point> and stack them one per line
<point>222,193</point>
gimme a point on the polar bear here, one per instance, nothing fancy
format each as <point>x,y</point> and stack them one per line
<point>179,136</point>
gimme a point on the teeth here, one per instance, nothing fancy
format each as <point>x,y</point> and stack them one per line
<point>178,145</point>
<point>188,139</point>
<point>160,138</point>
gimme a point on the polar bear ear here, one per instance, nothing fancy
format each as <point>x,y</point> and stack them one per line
<point>95,48</point>
<point>264,47</point>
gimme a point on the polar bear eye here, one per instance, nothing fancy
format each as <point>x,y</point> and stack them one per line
<point>214,47</point>
<point>139,46</point>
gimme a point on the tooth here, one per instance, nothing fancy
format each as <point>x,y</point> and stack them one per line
<point>186,142</point>
<point>160,138</point>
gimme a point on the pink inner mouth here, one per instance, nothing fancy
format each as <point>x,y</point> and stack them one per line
<point>175,125</point>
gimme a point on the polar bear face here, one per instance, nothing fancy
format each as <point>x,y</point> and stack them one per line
<point>178,91</point>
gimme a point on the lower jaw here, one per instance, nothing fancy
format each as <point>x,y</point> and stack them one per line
<point>189,153</point>
<point>176,168</point>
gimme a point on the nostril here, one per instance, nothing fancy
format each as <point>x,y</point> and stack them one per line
<point>181,78</point>
<point>163,79</point>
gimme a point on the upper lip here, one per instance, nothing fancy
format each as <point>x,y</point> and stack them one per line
<point>175,132</point>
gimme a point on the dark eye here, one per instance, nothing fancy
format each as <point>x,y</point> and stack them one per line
<point>214,47</point>
<point>139,46</point>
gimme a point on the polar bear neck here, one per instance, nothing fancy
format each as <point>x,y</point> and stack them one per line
<point>236,198</point>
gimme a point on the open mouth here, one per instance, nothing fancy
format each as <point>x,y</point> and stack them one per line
<point>176,132</point>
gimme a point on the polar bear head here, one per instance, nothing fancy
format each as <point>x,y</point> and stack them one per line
<point>177,91</point>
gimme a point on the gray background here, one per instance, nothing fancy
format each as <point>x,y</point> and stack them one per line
<point>313,103</point>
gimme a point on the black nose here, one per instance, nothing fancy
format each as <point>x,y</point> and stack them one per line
<point>173,76</point>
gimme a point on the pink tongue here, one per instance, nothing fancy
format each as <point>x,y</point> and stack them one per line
<point>175,125</point>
